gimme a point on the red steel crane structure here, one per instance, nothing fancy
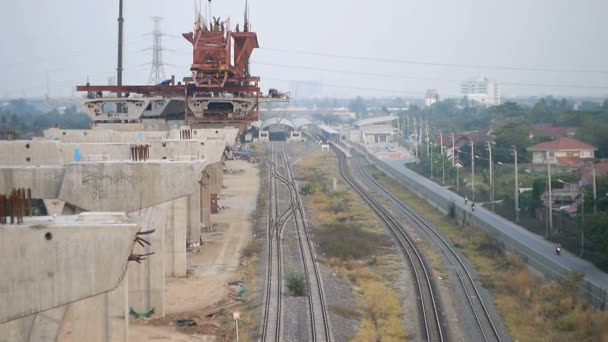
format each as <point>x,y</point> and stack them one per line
<point>219,89</point>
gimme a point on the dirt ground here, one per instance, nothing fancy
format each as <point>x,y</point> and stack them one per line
<point>212,265</point>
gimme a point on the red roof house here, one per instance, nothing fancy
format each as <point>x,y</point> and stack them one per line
<point>563,152</point>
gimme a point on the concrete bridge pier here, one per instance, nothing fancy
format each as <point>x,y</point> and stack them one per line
<point>194,217</point>
<point>147,280</point>
<point>98,319</point>
<point>175,237</point>
<point>206,200</point>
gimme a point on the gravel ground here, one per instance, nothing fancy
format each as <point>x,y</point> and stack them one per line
<point>339,300</point>
<point>261,231</point>
<point>296,316</point>
<point>407,294</point>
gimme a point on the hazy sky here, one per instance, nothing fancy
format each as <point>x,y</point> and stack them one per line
<point>58,44</point>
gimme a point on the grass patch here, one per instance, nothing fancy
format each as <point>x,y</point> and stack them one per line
<point>252,248</point>
<point>347,241</point>
<point>353,241</point>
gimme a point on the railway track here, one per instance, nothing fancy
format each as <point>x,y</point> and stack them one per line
<point>433,327</point>
<point>271,328</point>
<point>278,219</point>
<point>484,320</point>
<point>316,299</point>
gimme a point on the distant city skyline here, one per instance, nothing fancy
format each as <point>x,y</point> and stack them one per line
<point>385,48</point>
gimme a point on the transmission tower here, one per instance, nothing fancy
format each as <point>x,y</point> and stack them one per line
<point>157,73</point>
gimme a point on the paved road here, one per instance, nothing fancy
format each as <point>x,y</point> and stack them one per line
<point>533,241</point>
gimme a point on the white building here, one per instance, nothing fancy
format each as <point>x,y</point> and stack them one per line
<point>482,90</point>
<point>432,96</point>
<point>374,130</point>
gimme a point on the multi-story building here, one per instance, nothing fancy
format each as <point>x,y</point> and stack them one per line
<point>482,90</point>
<point>432,96</point>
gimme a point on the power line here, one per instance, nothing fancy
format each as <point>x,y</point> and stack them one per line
<point>396,76</point>
<point>157,73</point>
<point>451,65</point>
<point>384,90</point>
<point>75,53</point>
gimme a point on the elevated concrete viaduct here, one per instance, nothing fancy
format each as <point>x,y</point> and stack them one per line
<point>92,170</point>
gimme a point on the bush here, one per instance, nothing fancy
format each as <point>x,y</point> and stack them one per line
<point>251,249</point>
<point>346,241</point>
<point>307,189</point>
<point>296,283</point>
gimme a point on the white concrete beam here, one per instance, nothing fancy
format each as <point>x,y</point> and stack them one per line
<point>60,262</point>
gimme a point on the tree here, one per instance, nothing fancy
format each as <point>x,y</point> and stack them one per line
<point>541,113</point>
<point>601,189</point>
<point>358,106</point>
<point>595,230</point>
<point>508,109</point>
<point>514,133</point>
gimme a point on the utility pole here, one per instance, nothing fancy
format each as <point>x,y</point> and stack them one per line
<point>583,217</point>
<point>472,170</point>
<point>550,221</point>
<point>119,68</point>
<point>516,187</point>
<point>491,174</point>
<point>429,145</point>
<point>594,189</point>
<point>427,137</point>
<point>457,178</point>
<point>157,73</point>
<point>442,159</point>
<point>453,151</point>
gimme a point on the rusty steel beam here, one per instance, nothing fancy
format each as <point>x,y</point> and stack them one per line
<point>165,90</point>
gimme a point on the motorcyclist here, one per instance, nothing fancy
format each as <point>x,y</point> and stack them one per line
<point>472,206</point>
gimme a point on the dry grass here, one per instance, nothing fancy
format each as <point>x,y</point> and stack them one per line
<point>532,309</point>
<point>354,241</point>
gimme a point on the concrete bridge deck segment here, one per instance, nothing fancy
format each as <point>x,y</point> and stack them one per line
<point>128,186</point>
<point>47,263</point>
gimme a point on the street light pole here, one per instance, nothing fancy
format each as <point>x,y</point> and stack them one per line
<point>426,131</point>
<point>550,226</point>
<point>429,145</point>
<point>472,171</point>
<point>457,170</point>
<point>594,189</point>
<point>453,151</point>
<point>516,188</point>
<point>442,159</point>
<point>582,190</point>
<point>491,174</point>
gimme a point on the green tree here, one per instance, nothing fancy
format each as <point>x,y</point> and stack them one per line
<point>515,133</point>
<point>508,109</point>
<point>595,230</point>
<point>541,113</point>
<point>601,191</point>
<point>358,106</point>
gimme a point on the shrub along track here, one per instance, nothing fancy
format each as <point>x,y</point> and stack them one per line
<point>432,321</point>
